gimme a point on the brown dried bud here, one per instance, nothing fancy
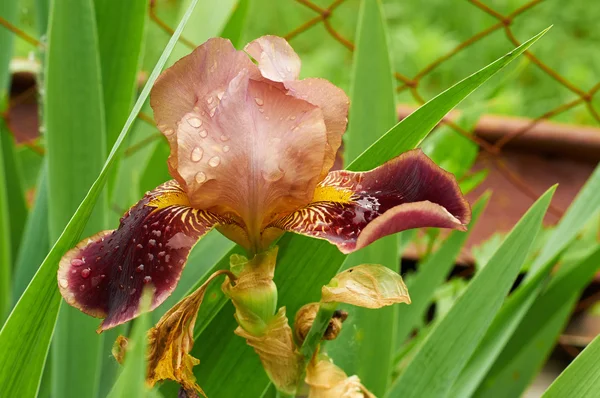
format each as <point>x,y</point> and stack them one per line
<point>277,352</point>
<point>366,285</point>
<point>326,380</point>
<point>305,318</point>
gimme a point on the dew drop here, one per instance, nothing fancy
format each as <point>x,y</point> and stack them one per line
<point>81,288</point>
<point>224,138</point>
<point>64,283</point>
<point>139,268</point>
<point>167,258</point>
<point>156,233</point>
<point>132,291</point>
<point>209,100</point>
<point>150,256</point>
<point>200,177</point>
<point>168,132</point>
<point>226,148</point>
<point>259,101</point>
<point>203,133</point>
<point>76,262</point>
<point>292,117</point>
<point>152,242</point>
<point>147,279</point>
<point>214,161</point>
<point>85,273</point>
<point>121,287</point>
<point>211,113</point>
<point>139,246</point>
<point>197,154</point>
<point>161,254</point>
<point>120,268</point>
<point>194,122</point>
<point>261,110</point>
<point>220,95</point>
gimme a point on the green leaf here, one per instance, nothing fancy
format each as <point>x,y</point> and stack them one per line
<point>431,274</point>
<point>448,347</point>
<point>420,122</point>
<point>8,11</point>
<point>585,206</point>
<point>5,246</point>
<point>36,243</point>
<point>234,30</point>
<point>74,104</point>
<point>581,379</point>
<point>14,189</point>
<point>372,113</point>
<point>25,337</point>
<point>228,366</point>
<point>131,382</point>
<point>532,341</point>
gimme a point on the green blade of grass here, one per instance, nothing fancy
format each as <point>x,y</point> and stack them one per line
<point>25,337</point>
<point>76,151</point>
<point>431,274</point>
<point>585,205</point>
<point>228,367</point>
<point>372,113</point>
<point>581,379</point>
<point>14,189</point>
<point>448,347</point>
<point>532,342</point>
<point>8,11</point>
<point>35,242</point>
<point>132,379</point>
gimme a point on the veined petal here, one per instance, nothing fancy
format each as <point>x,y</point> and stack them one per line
<point>104,275</point>
<point>278,62</point>
<point>353,209</point>
<point>187,93</point>
<point>333,102</point>
<point>276,59</point>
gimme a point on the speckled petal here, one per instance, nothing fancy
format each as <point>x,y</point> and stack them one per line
<point>352,210</point>
<point>276,59</point>
<point>187,93</point>
<point>104,275</point>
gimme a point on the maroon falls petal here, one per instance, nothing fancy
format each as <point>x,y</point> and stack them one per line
<point>353,209</point>
<point>104,275</point>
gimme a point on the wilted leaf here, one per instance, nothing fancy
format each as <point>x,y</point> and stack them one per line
<point>329,381</point>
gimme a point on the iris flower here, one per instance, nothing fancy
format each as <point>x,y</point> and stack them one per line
<point>251,151</point>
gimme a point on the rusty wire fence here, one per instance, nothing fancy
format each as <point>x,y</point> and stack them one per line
<point>413,85</point>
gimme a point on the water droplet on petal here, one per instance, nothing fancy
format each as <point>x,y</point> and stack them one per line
<point>168,132</point>
<point>139,268</point>
<point>150,256</point>
<point>292,117</point>
<point>152,242</point>
<point>272,175</point>
<point>156,233</point>
<point>212,112</point>
<point>203,133</point>
<point>76,262</point>
<point>200,177</point>
<point>197,154</point>
<point>214,161</point>
<point>63,283</point>
<point>224,138</point>
<point>226,148</point>
<point>147,279</point>
<point>194,122</point>
<point>132,291</point>
<point>259,101</point>
<point>261,110</point>
<point>81,288</point>
<point>85,273</point>
<point>209,100</point>
<point>220,95</point>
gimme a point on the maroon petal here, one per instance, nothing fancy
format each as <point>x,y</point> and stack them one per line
<point>352,210</point>
<point>104,275</point>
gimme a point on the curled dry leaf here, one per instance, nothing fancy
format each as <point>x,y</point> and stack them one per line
<point>170,341</point>
<point>366,285</point>
<point>326,380</point>
<point>277,352</point>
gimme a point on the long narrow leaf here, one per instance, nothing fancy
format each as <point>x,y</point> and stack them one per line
<point>582,378</point>
<point>25,337</point>
<point>585,205</point>
<point>448,347</point>
<point>372,113</point>
<point>76,151</point>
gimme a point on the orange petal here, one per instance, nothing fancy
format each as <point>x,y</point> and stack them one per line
<point>104,275</point>
<point>352,210</point>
